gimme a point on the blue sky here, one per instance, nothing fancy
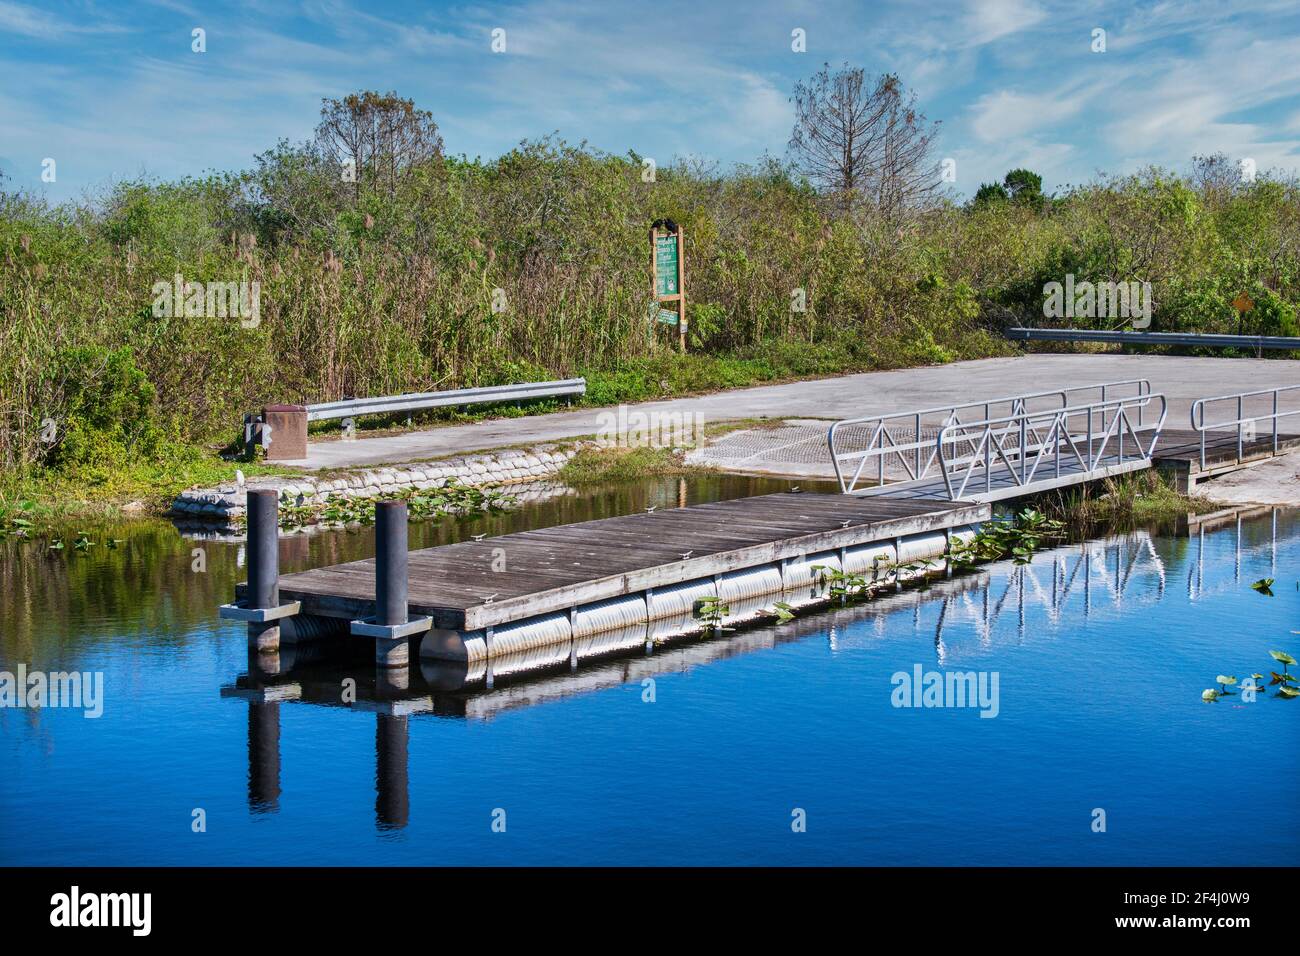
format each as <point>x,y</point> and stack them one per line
<point>112,91</point>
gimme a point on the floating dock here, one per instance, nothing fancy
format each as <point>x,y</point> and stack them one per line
<point>647,576</point>
<point>505,594</point>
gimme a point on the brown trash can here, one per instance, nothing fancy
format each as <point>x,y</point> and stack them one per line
<point>286,428</point>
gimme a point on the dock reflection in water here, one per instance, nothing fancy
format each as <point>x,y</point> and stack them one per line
<point>1059,588</point>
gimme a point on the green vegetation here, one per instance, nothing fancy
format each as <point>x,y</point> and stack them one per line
<point>1285,682</point>
<point>604,465</point>
<point>1138,499</point>
<point>711,612</point>
<point>1017,538</point>
<point>339,511</point>
<point>430,271</point>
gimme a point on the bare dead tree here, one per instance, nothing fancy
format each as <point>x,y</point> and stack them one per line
<point>861,141</point>
<point>906,175</point>
<point>1216,177</point>
<point>383,136</point>
<point>837,118</point>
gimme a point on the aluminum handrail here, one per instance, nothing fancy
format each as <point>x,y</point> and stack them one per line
<point>889,446</point>
<point>1198,410</point>
<point>1058,437</point>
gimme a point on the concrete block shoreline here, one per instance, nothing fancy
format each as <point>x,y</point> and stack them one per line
<point>228,503</point>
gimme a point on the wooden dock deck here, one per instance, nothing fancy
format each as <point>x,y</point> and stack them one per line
<point>473,585</point>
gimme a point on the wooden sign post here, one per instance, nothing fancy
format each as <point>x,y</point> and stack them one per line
<point>668,266</point>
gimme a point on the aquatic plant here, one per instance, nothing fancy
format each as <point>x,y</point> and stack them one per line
<point>15,520</point>
<point>711,611</point>
<point>1285,681</point>
<point>335,509</point>
<point>839,583</point>
<point>1017,538</point>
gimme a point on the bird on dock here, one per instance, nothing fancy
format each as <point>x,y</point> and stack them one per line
<point>844,524</point>
<point>794,489</point>
<point>478,537</point>
<point>491,597</point>
<point>687,555</point>
<point>651,509</point>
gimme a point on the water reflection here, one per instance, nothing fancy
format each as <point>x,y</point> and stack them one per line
<point>970,612</point>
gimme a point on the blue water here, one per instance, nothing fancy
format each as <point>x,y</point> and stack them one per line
<point>1101,651</point>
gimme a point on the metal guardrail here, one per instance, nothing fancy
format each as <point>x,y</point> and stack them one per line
<point>1246,425</point>
<point>916,455</point>
<point>1125,337</point>
<point>352,407</point>
<point>1044,440</point>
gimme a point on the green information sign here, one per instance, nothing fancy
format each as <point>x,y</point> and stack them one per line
<point>667,317</point>
<point>666,265</point>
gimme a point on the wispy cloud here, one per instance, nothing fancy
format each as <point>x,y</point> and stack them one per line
<point>110,90</point>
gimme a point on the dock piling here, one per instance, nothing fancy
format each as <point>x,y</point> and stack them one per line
<point>391,580</point>
<point>262,610</point>
<point>263,567</point>
<point>391,626</point>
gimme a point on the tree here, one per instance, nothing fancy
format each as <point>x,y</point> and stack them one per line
<point>990,193</point>
<point>1024,186</point>
<point>382,136</point>
<point>860,141</point>
<point>907,176</point>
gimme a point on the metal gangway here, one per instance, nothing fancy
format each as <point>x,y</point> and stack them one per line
<point>1000,448</point>
<point>1239,412</point>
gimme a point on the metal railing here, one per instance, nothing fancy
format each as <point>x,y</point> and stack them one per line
<point>1245,425</point>
<point>916,453</point>
<point>1025,443</point>
<point>352,407</point>
<point>255,432</point>
<point>1126,337</point>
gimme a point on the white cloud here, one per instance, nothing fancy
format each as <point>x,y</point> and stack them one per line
<point>989,20</point>
<point>1007,113</point>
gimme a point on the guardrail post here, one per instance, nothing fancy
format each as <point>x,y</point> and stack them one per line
<point>263,567</point>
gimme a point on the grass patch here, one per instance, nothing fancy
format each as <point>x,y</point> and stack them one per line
<point>1137,499</point>
<point>101,492</point>
<point>604,465</point>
